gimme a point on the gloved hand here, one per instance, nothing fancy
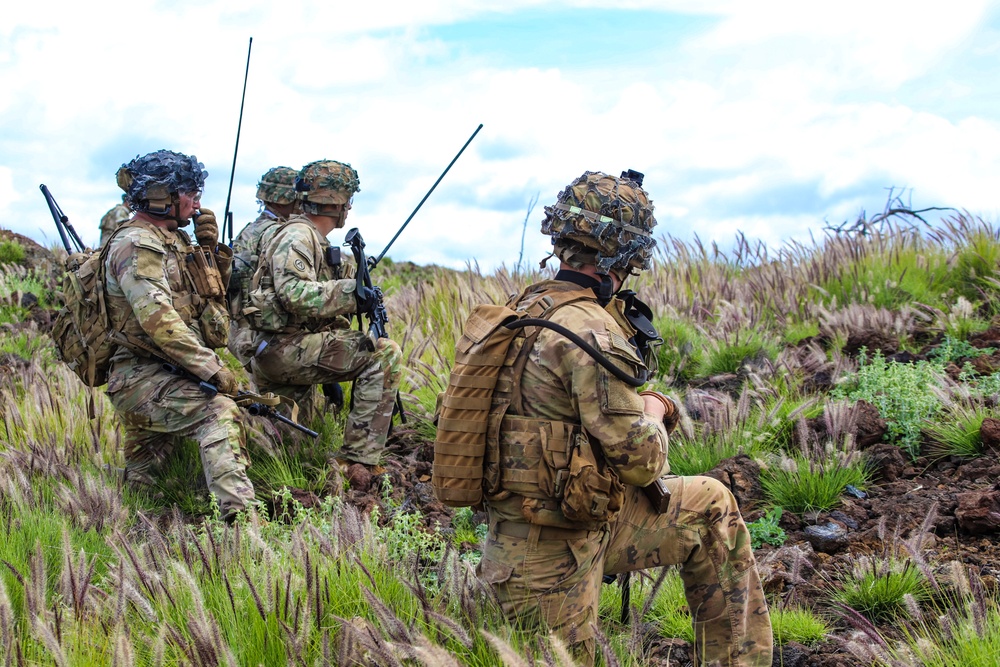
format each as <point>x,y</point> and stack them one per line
<point>224,381</point>
<point>366,299</point>
<point>671,411</point>
<point>206,228</point>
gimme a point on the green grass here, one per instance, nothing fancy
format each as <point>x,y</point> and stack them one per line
<point>11,252</point>
<point>800,485</point>
<point>729,356</point>
<point>957,432</point>
<point>798,625</point>
<point>878,587</point>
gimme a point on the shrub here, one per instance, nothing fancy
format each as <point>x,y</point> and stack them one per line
<point>951,350</point>
<point>903,393</point>
<point>957,433</point>
<point>797,625</point>
<point>800,485</point>
<point>878,587</point>
<point>766,530</point>
<point>727,356</point>
<point>11,252</point>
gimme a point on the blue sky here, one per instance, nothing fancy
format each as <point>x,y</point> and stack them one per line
<point>771,118</point>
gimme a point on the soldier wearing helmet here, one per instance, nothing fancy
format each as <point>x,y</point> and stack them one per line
<point>576,443</point>
<point>277,198</point>
<point>165,299</point>
<point>115,216</point>
<point>300,301</point>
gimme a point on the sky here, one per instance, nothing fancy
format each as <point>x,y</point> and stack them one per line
<point>772,119</point>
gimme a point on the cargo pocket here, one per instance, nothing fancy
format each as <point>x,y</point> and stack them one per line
<point>592,496</point>
<point>494,573</point>
<point>214,323</point>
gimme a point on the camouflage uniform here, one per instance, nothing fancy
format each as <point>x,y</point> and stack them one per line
<point>276,187</point>
<point>547,568</point>
<point>152,302</point>
<point>116,216</point>
<point>317,345</point>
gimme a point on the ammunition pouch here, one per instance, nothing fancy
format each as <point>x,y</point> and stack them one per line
<point>265,312</point>
<point>553,466</point>
<point>214,323</point>
<point>204,272</point>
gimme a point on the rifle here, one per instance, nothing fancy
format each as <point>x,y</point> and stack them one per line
<point>261,405</point>
<point>227,217</point>
<point>66,231</point>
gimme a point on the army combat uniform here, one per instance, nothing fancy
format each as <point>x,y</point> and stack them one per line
<point>151,299</point>
<point>547,568</point>
<point>247,248</point>
<point>304,338</point>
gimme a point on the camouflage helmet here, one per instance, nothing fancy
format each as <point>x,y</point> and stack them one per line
<point>604,221</point>
<point>151,181</point>
<point>327,182</point>
<point>277,186</point>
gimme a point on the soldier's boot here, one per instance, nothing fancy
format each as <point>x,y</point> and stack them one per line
<point>371,414</point>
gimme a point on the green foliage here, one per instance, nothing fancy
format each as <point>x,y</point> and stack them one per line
<point>680,355</point>
<point>404,534</point>
<point>798,625</point>
<point>766,530</point>
<point>878,587</point>
<point>975,265</point>
<point>957,432</point>
<point>11,252</point>
<point>903,393</point>
<point>796,332</point>
<point>466,532</point>
<point>800,485</point>
<point>952,350</point>
<point>965,634</point>
<point>28,345</point>
<point>725,356</point>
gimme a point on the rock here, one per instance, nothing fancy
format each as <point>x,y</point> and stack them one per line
<point>978,512</point>
<point>871,428</point>
<point>990,434</point>
<point>828,538</point>
<point>872,340</point>
<point>358,477</point>
<point>791,654</point>
<point>741,475</point>
<point>903,357</point>
<point>886,461</point>
<point>424,493</point>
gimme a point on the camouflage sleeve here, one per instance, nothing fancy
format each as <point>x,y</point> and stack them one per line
<point>224,260</point>
<point>610,410</point>
<point>137,263</point>
<point>297,281</point>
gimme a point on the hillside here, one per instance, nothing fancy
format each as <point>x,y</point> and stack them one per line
<point>846,391</point>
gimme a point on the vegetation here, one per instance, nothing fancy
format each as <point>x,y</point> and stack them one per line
<point>95,572</point>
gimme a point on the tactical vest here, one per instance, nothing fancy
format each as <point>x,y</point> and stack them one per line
<point>264,311</point>
<point>199,297</point>
<point>246,258</point>
<point>481,449</point>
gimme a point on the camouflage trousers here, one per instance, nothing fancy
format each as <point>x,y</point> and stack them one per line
<point>157,408</point>
<point>292,365</point>
<point>546,577</point>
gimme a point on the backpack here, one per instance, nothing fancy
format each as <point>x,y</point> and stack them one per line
<point>82,329</point>
<point>463,419</point>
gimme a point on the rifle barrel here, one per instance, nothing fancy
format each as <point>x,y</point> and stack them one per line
<point>446,169</point>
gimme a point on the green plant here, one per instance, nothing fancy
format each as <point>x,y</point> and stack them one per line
<point>680,354</point>
<point>11,252</point>
<point>729,356</point>
<point>903,393</point>
<point>799,485</point>
<point>766,530</point>
<point>798,625</point>
<point>466,532</point>
<point>878,587</point>
<point>796,332</point>
<point>957,433</point>
<point>951,350</point>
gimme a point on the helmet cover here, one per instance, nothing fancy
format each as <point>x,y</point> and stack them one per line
<point>153,178</point>
<point>327,182</point>
<point>604,221</point>
<point>277,186</point>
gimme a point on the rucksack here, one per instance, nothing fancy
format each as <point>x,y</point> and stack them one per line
<point>463,418</point>
<point>82,329</point>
